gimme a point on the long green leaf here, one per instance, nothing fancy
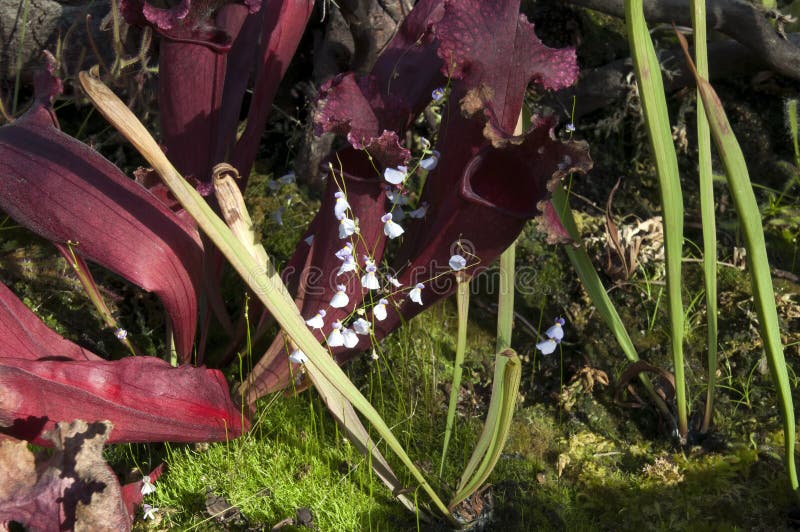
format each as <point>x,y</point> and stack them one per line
<point>462,301</point>
<point>654,106</point>
<point>263,279</point>
<point>507,374</point>
<point>706,208</point>
<point>741,189</point>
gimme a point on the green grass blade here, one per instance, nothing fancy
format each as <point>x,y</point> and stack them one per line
<point>654,106</point>
<point>791,119</point>
<point>462,301</point>
<point>505,301</point>
<point>706,209</point>
<point>507,373</point>
<point>262,278</point>
<point>741,189</point>
<point>597,293</point>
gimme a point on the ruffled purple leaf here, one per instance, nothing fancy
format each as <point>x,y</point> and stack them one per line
<point>392,95</point>
<point>145,398</point>
<point>64,191</point>
<point>489,44</point>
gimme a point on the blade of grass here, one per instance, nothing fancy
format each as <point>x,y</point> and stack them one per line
<point>654,107</point>
<point>462,302</point>
<point>597,293</point>
<point>741,189</point>
<point>262,278</point>
<point>507,373</point>
<point>706,209</point>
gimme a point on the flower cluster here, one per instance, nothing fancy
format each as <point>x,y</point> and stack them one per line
<point>555,333</point>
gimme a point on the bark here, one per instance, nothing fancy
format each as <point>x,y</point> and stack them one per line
<point>22,40</point>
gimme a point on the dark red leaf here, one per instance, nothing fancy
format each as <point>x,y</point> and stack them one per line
<point>144,397</point>
<point>64,191</point>
<point>23,335</point>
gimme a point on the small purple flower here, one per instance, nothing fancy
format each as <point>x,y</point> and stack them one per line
<point>556,331</point>
<point>457,262</point>
<point>346,251</point>
<point>121,333</point>
<point>437,94</point>
<point>369,280</point>
<point>420,211</point>
<point>547,346</point>
<point>341,206</point>
<point>570,128</point>
<point>347,227</point>
<point>415,294</point>
<point>298,357</point>
<point>391,228</point>
<point>379,310</point>
<point>317,322</point>
<point>149,512</point>
<point>361,326</point>
<point>340,298</point>
<point>396,176</point>
<point>429,163</point>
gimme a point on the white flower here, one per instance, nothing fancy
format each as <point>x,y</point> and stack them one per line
<point>457,262</point>
<point>361,326</point>
<point>547,346</point>
<point>278,216</point>
<point>420,211</point>
<point>391,229</point>
<point>335,338</point>
<point>394,282</point>
<point>350,338</point>
<point>346,227</point>
<point>369,280</point>
<point>147,486</point>
<point>287,179</point>
<point>298,357</point>
<point>121,333</point>
<point>415,294</point>
<point>341,205</point>
<point>556,331</point>
<point>395,176</point>
<point>349,265</point>
<point>379,310</point>
<point>316,322</point>
<point>346,251</point>
<point>149,512</point>
<point>429,163</point>
<point>396,197</point>
<point>309,239</point>
<point>340,299</point>
<point>570,128</point>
